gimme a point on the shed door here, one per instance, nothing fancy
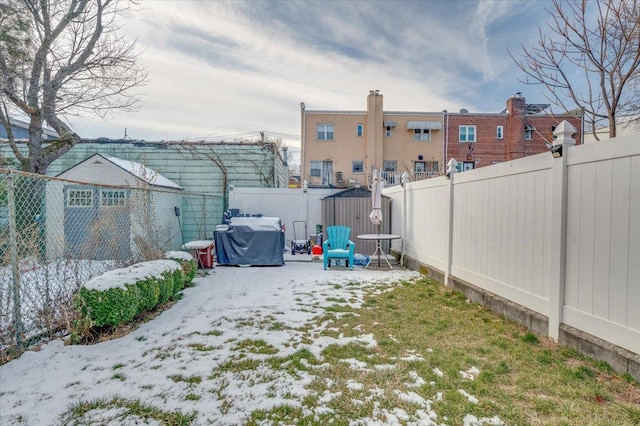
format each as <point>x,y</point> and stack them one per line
<point>96,223</point>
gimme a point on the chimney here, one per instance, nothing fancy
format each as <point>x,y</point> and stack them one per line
<point>515,126</point>
<point>374,130</point>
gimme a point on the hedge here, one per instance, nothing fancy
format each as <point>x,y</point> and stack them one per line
<point>118,296</point>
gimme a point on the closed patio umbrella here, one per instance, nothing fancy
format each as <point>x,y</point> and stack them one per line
<point>376,199</point>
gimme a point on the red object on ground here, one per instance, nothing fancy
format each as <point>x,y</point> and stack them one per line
<point>205,257</point>
<point>316,249</point>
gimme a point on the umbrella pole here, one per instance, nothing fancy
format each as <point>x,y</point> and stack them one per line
<point>379,246</point>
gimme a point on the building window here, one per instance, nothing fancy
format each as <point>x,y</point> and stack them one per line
<point>499,132</point>
<point>321,169</point>
<point>389,173</point>
<point>325,132</point>
<point>423,167</point>
<point>359,130</point>
<point>528,131</point>
<point>357,167</point>
<point>315,169</point>
<point>387,131</point>
<point>423,135</point>
<point>467,134</point>
<point>390,166</point>
<point>112,197</point>
<point>431,166</point>
<point>80,198</point>
<point>468,165</point>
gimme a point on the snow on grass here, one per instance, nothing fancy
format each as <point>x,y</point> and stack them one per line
<point>241,341</point>
<point>472,399</point>
<point>470,374</point>
<point>417,381</point>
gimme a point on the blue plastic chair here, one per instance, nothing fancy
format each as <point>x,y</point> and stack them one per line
<point>337,245</point>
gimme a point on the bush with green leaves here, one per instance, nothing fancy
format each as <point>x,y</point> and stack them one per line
<point>118,296</point>
<point>188,262</point>
<point>113,306</point>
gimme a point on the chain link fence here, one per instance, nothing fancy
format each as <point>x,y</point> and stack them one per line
<point>57,234</point>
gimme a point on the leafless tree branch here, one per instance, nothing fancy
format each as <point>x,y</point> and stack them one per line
<point>70,60</point>
<point>588,58</point>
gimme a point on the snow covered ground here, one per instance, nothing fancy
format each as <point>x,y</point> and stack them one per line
<point>200,332</point>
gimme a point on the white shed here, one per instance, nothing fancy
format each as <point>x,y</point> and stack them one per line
<point>106,208</point>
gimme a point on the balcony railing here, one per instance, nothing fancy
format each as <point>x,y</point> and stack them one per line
<point>342,180</point>
<point>395,178</point>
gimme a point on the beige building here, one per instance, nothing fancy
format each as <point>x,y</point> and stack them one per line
<point>341,148</point>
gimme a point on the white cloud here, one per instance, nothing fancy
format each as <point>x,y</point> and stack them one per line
<point>220,68</point>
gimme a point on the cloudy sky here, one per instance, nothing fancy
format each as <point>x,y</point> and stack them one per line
<point>220,70</point>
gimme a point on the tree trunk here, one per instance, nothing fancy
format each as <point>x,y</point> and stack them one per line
<point>612,127</point>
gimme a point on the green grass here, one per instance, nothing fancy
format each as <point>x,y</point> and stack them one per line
<point>524,379</point>
<point>201,347</point>
<point>126,409</point>
<point>187,379</point>
<point>255,347</point>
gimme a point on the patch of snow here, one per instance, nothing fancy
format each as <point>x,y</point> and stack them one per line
<point>471,420</point>
<point>142,172</point>
<point>411,358</point>
<point>176,254</point>
<point>119,278</point>
<point>412,398</point>
<point>328,396</point>
<point>355,364</point>
<point>417,380</point>
<point>354,386</point>
<point>437,372</point>
<point>470,374</point>
<point>384,367</point>
<point>472,399</point>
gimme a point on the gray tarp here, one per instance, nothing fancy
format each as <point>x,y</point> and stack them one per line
<point>255,241</point>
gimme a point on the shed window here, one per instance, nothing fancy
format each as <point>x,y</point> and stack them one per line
<point>80,198</point>
<point>111,197</point>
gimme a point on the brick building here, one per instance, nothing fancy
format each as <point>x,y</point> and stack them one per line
<point>341,148</point>
<point>522,129</point>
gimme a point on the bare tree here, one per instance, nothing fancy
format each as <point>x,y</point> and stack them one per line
<point>63,58</point>
<point>588,58</point>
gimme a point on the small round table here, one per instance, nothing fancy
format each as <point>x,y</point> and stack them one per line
<point>378,238</point>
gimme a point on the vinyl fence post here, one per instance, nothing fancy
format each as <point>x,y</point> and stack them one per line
<point>451,171</point>
<point>559,150</point>
<point>15,267</point>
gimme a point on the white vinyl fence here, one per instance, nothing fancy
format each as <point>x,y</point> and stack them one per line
<point>290,205</point>
<point>559,236</point>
